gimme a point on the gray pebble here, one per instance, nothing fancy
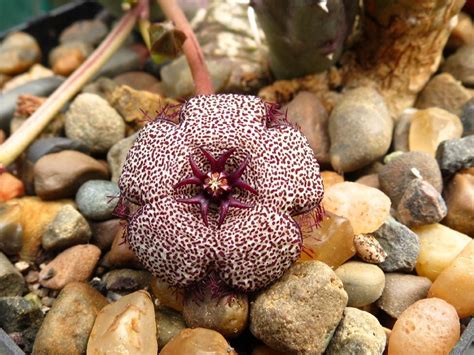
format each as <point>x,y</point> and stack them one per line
<point>455,154</point>
<point>40,87</point>
<point>170,324</point>
<point>117,155</point>
<point>43,146</point>
<point>68,228</point>
<point>11,281</point>
<point>123,60</point>
<point>8,346</point>
<point>358,333</point>
<point>17,314</point>
<point>126,280</point>
<point>401,245</point>
<point>95,199</point>
<point>467,118</point>
<point>93,122</point>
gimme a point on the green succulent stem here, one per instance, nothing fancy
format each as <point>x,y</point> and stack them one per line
<point>192,50</point>
<point>20,139</point>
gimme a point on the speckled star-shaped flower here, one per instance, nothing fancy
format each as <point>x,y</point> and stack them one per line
<point>216,192</point>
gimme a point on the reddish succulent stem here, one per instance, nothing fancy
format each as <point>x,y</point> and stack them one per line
<point>191,48</point>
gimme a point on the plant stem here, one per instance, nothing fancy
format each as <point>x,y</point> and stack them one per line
<point>191,48</point>
<point>33,126</point>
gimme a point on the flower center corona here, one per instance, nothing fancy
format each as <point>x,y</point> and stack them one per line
<point>217,185</point>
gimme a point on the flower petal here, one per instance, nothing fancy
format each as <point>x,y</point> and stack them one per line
<point>294,183</point>
<point>152,163</point>
<point>256,246</point>
<point>171,242</point>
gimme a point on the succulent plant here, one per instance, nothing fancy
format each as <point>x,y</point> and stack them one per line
<point>214,194</point>
<point>304,36</point>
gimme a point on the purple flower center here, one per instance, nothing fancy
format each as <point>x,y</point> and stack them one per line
<point>217,185</point>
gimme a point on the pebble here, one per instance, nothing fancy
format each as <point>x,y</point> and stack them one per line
<point>455,154</point>
<point>138,80</point>
<point>170,323</point>
<point>430,127</point>
<point>358,332</point>
<point>360,116</point>
<point>131,103</point>
<point>102,87</point>
<point>459,195</point>
<point>462,33</point>
<point>39,87</point>
<point>227,315</point>
<point>401,291</point>
<point>124,59</point>
<point>371,180</point>
<point>103,233</point>
<point>10,187</point>
<point>34,224</point>
<point>429,326</point>
<point>300,311</point>
<point>455,284</point>
<point>117,155</point>
<point>93,122</point>
<point>68,228</point>
<point>421,204</point>
<point>7,345</point>
<point>67,325</point>
<point>308,113</point>
<point>330,178</point>
<point>95,199</point>
<point>60,175</point>
<point>198,341</point>
<point>126,326</point>
<point>464,345</point>
<point>467,118</point>
<point>365,207</point>
<point>402,130</point>
<point>11,281</point>
<point>21,318</point>
<point>44,146</point>
<point>395,176</point>
<point>461,65</point>
<point>126,280</point>
<point>331,242</point>
<point>17,314</point>
<point>73,264</point>
<point>91,32</point>
<point>67,57</point>
<point>37,71</point>
<point>443,91</point>
<point>363,282</point>
<point>401,245</point>
<point>18,52</point>
<point>369,249</point>
<point>439,246</point>
<point>120,253</point>
<point>167,295</point>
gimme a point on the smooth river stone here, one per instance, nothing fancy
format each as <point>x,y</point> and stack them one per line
<point>330,178</point>
<point>459,198</point>
<point>360,129</point>
<point>300,311</point>
<point>365,207</point>
<point>401,291</point>
<point>126,326</point>
<point>439,246</point>
<point>455,284</point>
<point>331,242</point>
<point>430,127</point>
<point>430,326</point>
<point>10,187</point>
<point>167,295</point>
<point>198,341</point>
<point>364,283</point>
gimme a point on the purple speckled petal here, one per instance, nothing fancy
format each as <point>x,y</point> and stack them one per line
<point>256,246</point>
<point>171,242</point>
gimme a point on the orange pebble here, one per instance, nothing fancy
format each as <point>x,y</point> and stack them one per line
<point>10,187</point>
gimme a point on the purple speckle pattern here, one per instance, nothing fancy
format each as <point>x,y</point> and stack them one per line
<point>253,246</point>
